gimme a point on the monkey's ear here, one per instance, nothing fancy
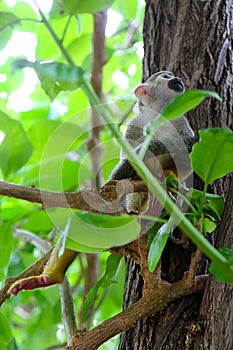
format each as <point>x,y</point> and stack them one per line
<point>143,94</point>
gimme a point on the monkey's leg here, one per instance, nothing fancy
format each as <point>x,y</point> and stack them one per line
<point>53,273</point>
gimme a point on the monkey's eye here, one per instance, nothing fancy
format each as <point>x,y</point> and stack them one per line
<point>166,76</point>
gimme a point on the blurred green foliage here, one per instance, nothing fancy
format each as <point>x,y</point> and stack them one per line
<point>44,125</point>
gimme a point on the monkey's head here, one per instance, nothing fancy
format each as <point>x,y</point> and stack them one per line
<point>158,90</point>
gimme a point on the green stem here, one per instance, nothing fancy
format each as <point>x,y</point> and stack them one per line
<point>18,21</point>
<point>66,28</point>
<point>185,199</point>
<point>55,37</point>
<point>152,218</point>
<point>155,187</point>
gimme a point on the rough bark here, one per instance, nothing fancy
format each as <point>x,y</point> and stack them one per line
<point>193,39</point>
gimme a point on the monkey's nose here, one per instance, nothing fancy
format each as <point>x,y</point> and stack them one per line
<point>176,84</point>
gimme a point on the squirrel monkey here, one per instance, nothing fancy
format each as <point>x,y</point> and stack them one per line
<point>171,143</point>
<point>169,139</point>
<point>165,154</point>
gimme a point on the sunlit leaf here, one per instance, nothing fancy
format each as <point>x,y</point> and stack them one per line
<point>128,9</point>
<point>51,164</point>
<point>74,48</point>
<point>57,11</point>
<point>223,275</point>
<point>208,226</point>
<point>105,281</point>
<point>55,76</point>
<point>211,157</point>
<point>13,81</point>
<point>15,148</point>
<point>7,23</point>
<point>104,231</point>
<point>73,245</point>
<point>38,221</point>
<point>6,243</point>
<point>83,6</point>
<point>5,333</point>
<point>23,9</point>
<point>96,230</point>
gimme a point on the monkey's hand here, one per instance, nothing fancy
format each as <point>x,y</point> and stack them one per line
<point>53,273</point>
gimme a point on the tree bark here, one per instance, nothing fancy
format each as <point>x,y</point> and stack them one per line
<point>193,39</point>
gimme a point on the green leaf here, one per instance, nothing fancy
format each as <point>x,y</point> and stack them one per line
<point>83,6</point>
<point>208,226</point>
<point>96,230</point>
<point>7,22</point>
<point>57,11</point>
<point>128,9</point>
<point>223,275</point>
<point>6,244</point>
<point>38,221</point>
<point>5,332</point>
<point>70,244</point>
<point>211,157</point>
<point>15,149</point>
<point>55,76</point>
<point>213,204</point>
<point>104,231</point>
<point>105,281</point>
<point>51,165</point>
<point>185,102</point>
<point>181,104</point>
<point>157,246</point>
<point>85,42</point>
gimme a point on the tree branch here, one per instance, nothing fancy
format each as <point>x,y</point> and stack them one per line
<point>35,269</point>
<point>67,312</point>
<point>107,200</point>
<point>150,304</point>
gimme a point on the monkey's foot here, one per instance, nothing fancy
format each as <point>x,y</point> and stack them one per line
<point>32,282</point>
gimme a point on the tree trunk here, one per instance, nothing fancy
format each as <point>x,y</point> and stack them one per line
<point>193,39</point>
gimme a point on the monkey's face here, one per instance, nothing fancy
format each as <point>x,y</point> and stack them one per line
<point>159,90</point>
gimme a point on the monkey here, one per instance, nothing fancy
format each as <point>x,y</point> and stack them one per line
<point>153,96</point>
<point>167,153</point>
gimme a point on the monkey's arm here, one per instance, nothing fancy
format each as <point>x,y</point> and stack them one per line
<point>124,169</point>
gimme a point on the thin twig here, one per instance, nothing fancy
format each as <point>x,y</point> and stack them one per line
<point>17,21</point>
<point>67,310</point>
<point>55,37</point>
<point>32,238</point>
<point>66,28</point>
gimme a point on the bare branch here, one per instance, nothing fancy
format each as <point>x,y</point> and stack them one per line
<point>32,238</point>
<point>108,197</point>
<point>35,269</point>
<point>150,304</point>
<point>67,310</point>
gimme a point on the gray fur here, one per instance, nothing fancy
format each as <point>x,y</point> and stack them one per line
<point>173,140</point>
